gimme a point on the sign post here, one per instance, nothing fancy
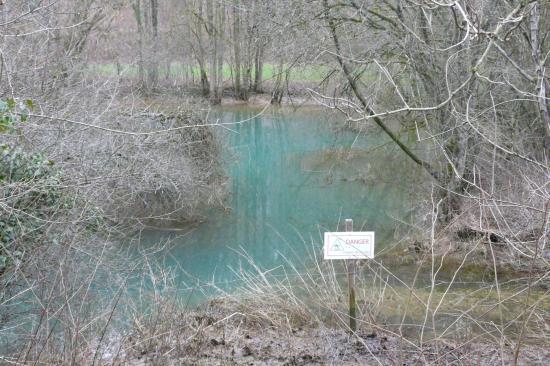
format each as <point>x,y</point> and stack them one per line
<point>351,284</point>
<point>350,245</point>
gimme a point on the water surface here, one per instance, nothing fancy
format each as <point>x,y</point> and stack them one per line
<point>292,176</point>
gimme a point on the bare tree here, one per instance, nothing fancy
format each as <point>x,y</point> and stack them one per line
<point>439,81</point>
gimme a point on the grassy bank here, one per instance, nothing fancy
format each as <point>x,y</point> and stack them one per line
<point>300,318</point>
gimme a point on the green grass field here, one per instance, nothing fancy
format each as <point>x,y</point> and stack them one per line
<point>312,73</point>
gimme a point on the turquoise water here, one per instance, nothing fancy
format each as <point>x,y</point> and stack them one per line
<point>292,176</point>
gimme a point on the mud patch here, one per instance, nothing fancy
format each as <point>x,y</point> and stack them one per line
<point>218,337</point>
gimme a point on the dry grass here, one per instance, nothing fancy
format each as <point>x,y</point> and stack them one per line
<point>300,317</point>
<point>426,313</point>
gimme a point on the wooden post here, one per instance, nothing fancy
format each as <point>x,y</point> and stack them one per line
<point>351,284</point>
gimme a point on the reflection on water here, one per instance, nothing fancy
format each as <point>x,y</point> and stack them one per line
<point>292,177</point>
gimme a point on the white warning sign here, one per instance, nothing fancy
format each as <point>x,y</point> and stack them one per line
<point>349,245</point>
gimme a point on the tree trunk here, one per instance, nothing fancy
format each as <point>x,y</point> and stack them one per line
<point>200,54</point>
<point>220,45</point>
<point>139,22</point>
<point>246,57</point>
<point>259,42</point>
<point>237,49</point>
<point>213,33</point>
<point>278,88</point>
<point>534,27</point>
<point>205,84</point>
<point>258,68</point>
<point>152,67</point>
<point>216,18</point>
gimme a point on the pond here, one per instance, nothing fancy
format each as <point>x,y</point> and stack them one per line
<point>292,176</point>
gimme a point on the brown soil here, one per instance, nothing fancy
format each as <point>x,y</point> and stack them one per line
<point>217,336</point>
<point>263,99</point>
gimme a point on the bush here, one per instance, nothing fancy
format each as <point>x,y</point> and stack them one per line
<point>30,196</point>
<point>30,190</point>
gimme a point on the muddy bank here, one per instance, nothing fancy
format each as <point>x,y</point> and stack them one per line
<point>221,335</point>
<point>168,99</point>
<point>264,99</point>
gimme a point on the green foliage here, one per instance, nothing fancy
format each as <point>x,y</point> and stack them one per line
<point>30,194</point>
<point>11,111</point>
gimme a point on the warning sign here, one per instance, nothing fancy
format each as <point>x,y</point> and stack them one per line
<point>349,245</point>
